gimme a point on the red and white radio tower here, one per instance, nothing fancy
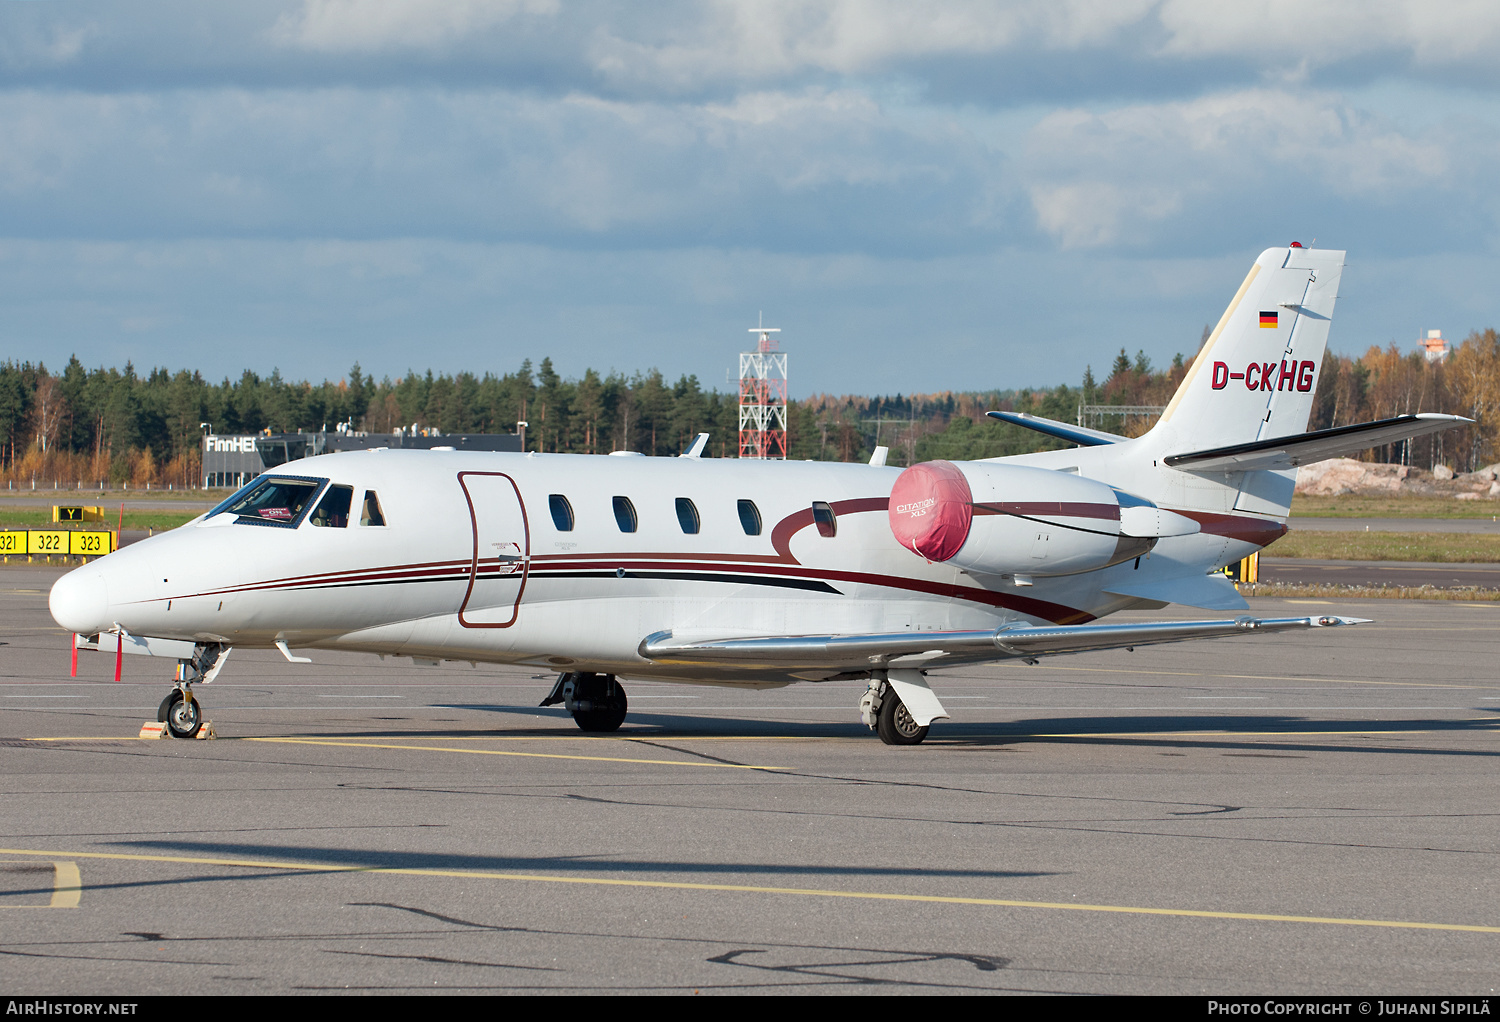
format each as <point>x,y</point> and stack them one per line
<point>763,398</point>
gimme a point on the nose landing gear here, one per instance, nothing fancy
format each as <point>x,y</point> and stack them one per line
<point>182,714</point>
<point>180,711</point>
<point>596,701</point>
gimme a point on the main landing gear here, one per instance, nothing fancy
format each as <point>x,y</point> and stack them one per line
<point>882,710</point>
<point>596,701</point>
<point>180,710</point>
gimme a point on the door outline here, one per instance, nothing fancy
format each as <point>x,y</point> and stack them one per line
<point>474,556</point>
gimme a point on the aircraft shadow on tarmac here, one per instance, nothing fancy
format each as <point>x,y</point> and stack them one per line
<point>1175,731</point>
<point>364,858</point>
<point>1246,736</point>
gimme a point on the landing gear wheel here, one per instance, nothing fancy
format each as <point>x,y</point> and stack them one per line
<point>599,703</point>
<point>183,716</point>
<point>895,724</point>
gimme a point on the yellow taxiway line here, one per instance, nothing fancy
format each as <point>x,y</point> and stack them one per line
<point>811,892</point>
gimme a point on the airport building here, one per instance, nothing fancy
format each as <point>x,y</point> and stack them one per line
<point>232,461</point>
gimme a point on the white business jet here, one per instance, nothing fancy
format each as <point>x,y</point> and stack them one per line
<point>757,573</point>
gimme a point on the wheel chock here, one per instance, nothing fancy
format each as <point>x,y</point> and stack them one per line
<point>206,731</point>
<point>153,729</point>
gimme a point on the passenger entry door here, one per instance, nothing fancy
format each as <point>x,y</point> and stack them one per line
<point>501,558</point>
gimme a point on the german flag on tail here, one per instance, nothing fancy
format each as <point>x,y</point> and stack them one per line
<point>1268,320</point>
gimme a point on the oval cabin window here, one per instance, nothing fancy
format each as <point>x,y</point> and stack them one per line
<point>749,517</point>
<point>824,518</point>
<point>562,512</point>
<point>625,514</point>
<point>687,516</point>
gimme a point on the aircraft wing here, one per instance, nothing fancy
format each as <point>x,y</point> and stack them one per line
<point>1291,451</point>
<point>880,650</point>
<point>1061,430</point>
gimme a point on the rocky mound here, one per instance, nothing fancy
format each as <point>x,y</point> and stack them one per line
<point>1338,476</point>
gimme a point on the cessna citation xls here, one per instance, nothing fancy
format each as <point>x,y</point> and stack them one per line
<point>757,573</point>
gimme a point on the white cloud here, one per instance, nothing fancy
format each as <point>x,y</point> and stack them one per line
<point>1099,178</point>
<point>1092,214</point>
<point>821,169</point>
<point>760,39</point>
<point>367,172</point>
<point>695,47</point>
<point>1277,32</point>
<point>373,26</point>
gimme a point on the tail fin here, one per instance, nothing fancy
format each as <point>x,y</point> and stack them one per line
<point>1255,377</point>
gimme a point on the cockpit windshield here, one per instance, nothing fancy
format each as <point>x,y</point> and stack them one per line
<point>272,500</point>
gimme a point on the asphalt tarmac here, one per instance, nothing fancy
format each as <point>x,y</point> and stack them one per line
<point>1377,573</point>
<point>1294,813</point>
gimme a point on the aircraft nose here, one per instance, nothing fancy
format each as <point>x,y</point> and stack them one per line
<point>80,601</point>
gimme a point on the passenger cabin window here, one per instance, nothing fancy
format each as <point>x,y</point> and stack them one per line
<point>272,500</point>
<point>687,516</point>
<point>824,518</point>
<point>562,512</point>
<point>333,510</point>
<point>370,513</point>
<point>750,518</point>
<point>625,514</point>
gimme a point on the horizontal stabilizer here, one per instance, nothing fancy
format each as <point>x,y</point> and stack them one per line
<point>1211,592</point>
<point>1304,448</point>
<point>1060,430</point>
<point>878,650</point>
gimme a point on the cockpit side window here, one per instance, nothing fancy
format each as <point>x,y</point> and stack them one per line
<point>273,500</point>
<point>370,513</point>
<point>332,511</point>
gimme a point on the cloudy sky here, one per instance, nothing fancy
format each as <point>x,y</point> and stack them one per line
<point>955,195</point>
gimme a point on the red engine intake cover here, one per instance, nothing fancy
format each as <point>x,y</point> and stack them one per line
<point>931,509</point>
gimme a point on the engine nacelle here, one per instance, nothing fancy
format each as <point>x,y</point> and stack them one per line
<point>996,519</point>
